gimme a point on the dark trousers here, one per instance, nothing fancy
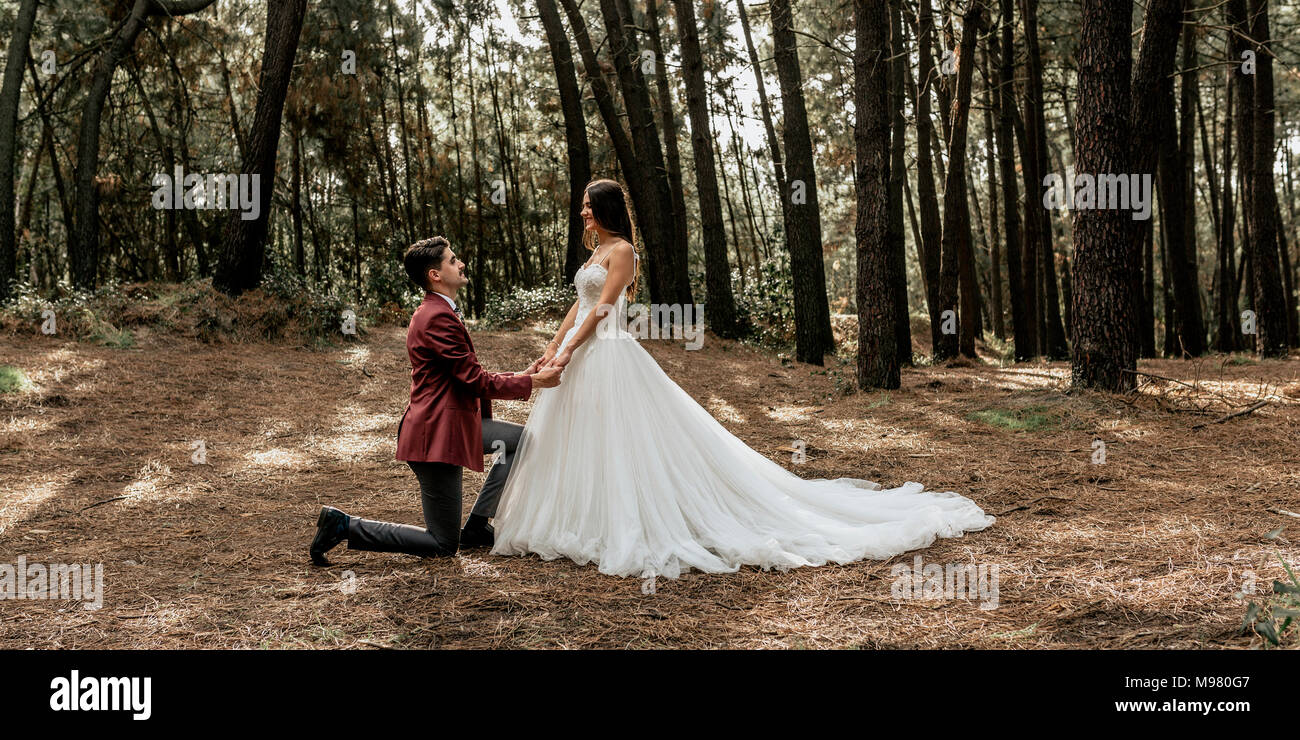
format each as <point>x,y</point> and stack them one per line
<point>440,496</point>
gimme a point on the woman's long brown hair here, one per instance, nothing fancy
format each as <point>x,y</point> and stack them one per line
<point>610,210</point>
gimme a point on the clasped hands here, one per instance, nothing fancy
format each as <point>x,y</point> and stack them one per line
<point>546,369</point>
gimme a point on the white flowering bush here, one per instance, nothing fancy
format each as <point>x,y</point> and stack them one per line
<point>528,305</point>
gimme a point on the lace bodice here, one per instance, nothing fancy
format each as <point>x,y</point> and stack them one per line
<point>590,282</point>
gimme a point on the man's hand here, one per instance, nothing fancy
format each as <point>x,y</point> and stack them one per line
<point>547,378</point>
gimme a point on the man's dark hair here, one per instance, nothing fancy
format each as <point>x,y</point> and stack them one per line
<point>422,256</point>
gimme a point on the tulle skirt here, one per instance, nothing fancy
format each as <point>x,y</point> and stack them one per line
<point>620,467</point>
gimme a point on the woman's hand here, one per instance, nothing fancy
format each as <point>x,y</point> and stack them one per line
<point>561,359</point>
<point>545,359</point>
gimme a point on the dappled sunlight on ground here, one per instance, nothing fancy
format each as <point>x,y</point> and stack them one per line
<point>1143,540</point>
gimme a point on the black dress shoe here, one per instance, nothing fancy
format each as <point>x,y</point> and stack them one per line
<point>477,536</point>
<point>331,529</point>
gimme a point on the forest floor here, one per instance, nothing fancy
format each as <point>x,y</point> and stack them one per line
<point>1147,549</point>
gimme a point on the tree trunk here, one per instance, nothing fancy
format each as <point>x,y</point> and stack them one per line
<point>666,260</point>
<point>991,164</point>
<point>244,243</point>
<point>813,337</point>
<point>403,129</point>
<point>926,189</point>
<point>295,202</point>
<point>1270,304</point>
<point>481,259</point>
<point>1226,337</point>
<point>898,173</point>
<point>1103,350</point>
<point>1005,108</point>
<point>575,132</point>
<point>671,151</point>
<point>1051,332</point>
<point>9,92</point>
<point>1033,165</point>
<point>721,306</point>
<point>957,264</point>
<point>878,365</point>
<point>1187,287</point>
<point>1243,122</point>
<point>1153,110</point>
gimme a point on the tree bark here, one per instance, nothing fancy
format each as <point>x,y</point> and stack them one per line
<point>721,306</point>
<point>813,337</point>
<point>575,132</point>
<point>1047,307</point>
<point>1226,335</point>
<point>1153,110</point>
<point>898,173</point>
<point>9,93</point>
<point>1190,312</point>
<point>666,260</point>
<point>991,164</point>
<point>239,267</point>
<point>957,264</point>
<point>1270,303</point>
<point>1103,350</point>
<point>664,92</point>
<point>926,189</point>
<point>1005,107</point>
<point>877,339</point>
<point>1033,165</point>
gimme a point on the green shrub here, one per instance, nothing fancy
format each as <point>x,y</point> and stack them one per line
<point>78,313</point>
<point>317,314</point>
<point>1275,620</point>
<point>12,379</point>
<point>387,285</point>
<point>528,305</point>
<point>767,302</point>
<point>285,308</point>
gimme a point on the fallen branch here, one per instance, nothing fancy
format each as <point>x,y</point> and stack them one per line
<point>105,501</point>
<point>1258,405</point>
<point>1284,512</point>
<point>1160,377</point>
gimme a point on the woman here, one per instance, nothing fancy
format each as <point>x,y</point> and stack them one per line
<point>621,467</point>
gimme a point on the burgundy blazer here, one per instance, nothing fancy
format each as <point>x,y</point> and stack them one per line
<point>450,392</point>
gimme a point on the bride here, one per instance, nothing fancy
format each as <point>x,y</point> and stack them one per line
<point>621,467</point>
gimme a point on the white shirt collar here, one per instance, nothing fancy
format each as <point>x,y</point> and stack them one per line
<point>446,298</point>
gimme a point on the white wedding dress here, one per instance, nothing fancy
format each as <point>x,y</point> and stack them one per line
<point>621,467</point>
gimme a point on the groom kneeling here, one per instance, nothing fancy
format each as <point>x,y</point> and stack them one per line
<point>447,425</point>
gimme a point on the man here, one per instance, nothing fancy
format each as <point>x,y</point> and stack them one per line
<point>447,425</point>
